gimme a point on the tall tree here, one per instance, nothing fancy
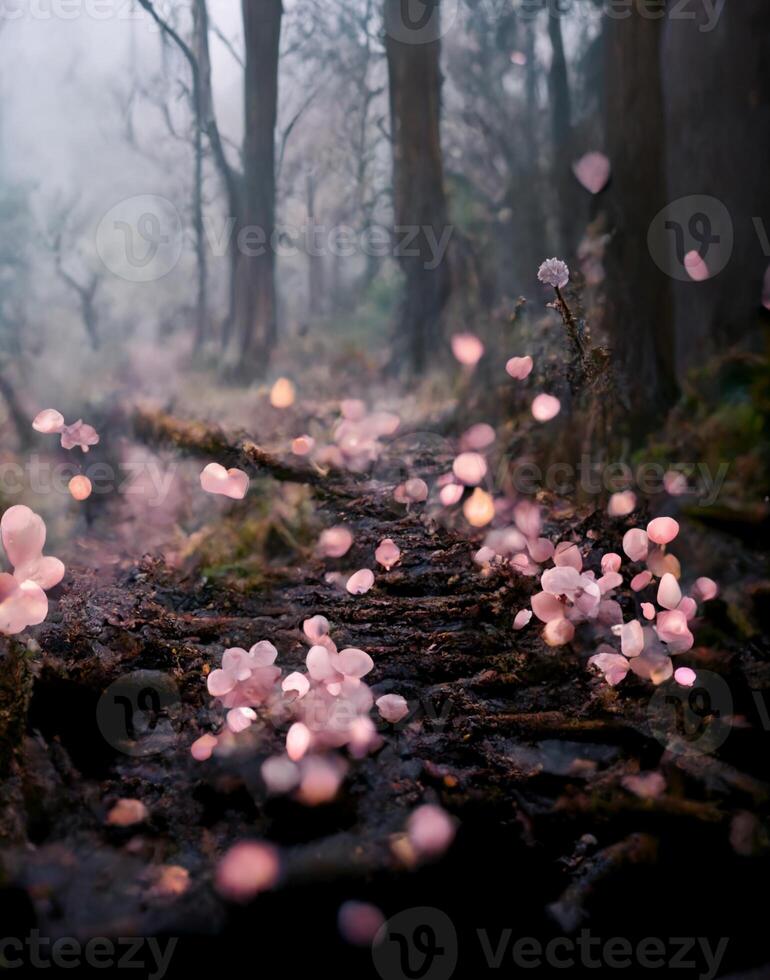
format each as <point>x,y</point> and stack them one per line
<point>250,192</point>
<point>419,198</point>
<point>255,283</point>
<point>639,312</point>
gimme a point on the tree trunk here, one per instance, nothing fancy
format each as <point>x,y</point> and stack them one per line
<point>202,110</point>
<point>717,104</point>
<point>255,282</point>
<point>639,319</point>
<point>561,121</point>
<point>418,188</point>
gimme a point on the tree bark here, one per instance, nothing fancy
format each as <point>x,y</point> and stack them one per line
<point>255,278</point>
<point>561,122</point>
<point>717,108</point>
<point>639,312</point>
<point>419,199</point>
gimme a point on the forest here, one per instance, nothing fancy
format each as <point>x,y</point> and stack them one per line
<point>384,473</point>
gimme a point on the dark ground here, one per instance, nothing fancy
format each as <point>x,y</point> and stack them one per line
<point>522,744</point>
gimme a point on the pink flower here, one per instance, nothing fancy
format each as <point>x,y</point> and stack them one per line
<point>392,707</point>
<point>675,483</point>
<point>545,408</point>
<point>49,421</point>
<point>479,436</point>
<point>203,747</point>
<point>641,581</point>
<point>316,628</point>
<point>467,349</point>
<point>520,368</point>
<point>79,434</point>
<point>228,483</point>
<point>451,494</point>
<point>297,741</point>
<point>611,562</point>
<point>23,535</point>
<point>632,639</point>
<point>553,272</point>
<point>648,610</point>
<point>558,632</point>
<point>592,171</point>
<point>430,830</point>
<point>705,589</point>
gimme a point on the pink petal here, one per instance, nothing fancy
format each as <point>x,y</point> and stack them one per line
<point>520,368</point>
<point>45,572</point>
<point>662,530</point>
<point>239,719</point>
<point>560,581</point>
<point>228,483</point>
<point>359,922</point>
<point>470,468</point>
<point>669,593</point>
<point>641,581</point>
<point>609,581</point>
<point>315,628</point>
<point>567,554</point>
<point>219,683</point>
<point>523,616</point>
<point>451,494</point>
<point>321,779</point>
<point>632,639</point>
<point>127,812</point>
<point>247,869</point>
<point>467,348</point>
<point>263,654</point>
<point>636,544</point>
<point>354,663</point>
<point>203,747</point>
<point>545,408</point>
<point>360,582</point>
<point>319,664</point>
<point>392,707</point>
<point>335,542</point>
<point>282,394</point>
<point>673,630</point>
<point>612,665</point>
<point>648,610</point>
<point>80,487</point>
<point>622,504</point>
<point>558,632</point>
<point>645,785</point>
<point>297,683</point>
<point>705,589</point>
<point>528,519</point>
<point>298,740</point>
<point>21,605</point>
<point>280,774</point>
<point>430,830</point>
<point>23,534</point>
<point>685,676</point>
<point>675,483</point>
<point>611,562</point>
<point>592,171</point>
<point>479,436</point>
<point>48,421</point>
<point>540,550</point>
<point>696,267</point>
<point>479,508</point>
<point>387,553</point>
<point>303,445</point>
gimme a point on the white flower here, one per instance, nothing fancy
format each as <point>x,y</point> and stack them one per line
<point>554,272</point>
